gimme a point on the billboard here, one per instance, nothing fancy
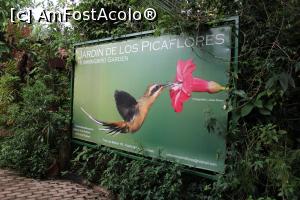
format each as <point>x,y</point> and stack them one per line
<point>161,97</point>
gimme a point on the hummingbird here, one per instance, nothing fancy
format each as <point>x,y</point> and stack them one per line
<point>133,112</point>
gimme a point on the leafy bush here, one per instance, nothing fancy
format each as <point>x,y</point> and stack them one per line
<point>91,30</point>
<point>35,103</point>
<point>18,152</point>
<point>262,166</point>
<point>143,180</point>
<point>8,90</point>
<point>36,129</point>
<point>137,179</point>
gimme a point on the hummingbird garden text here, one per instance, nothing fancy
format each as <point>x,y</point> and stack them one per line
<point>108,53</point>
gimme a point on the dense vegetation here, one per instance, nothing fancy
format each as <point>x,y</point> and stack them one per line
<point>263,137</point>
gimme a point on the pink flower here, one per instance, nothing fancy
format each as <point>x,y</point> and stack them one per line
<point>185,84</point>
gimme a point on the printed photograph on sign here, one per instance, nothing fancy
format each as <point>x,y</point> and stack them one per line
<point>162,97</point>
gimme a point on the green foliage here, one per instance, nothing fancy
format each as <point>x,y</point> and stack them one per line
<point>5,10</point>
<point>37,128</point>
<point>35,108</point>
<point>8,91</point>
<point>262,158</point>
<point>101,28</point>
<point>3,48</point>
<point>20,153</point>
<point>143,180</point>
<point>91,163</point>
<point>137,179</point>
<point>263,166</point>
<point>4,16</point>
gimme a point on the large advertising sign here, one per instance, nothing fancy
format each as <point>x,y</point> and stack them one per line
<point>160,97</point>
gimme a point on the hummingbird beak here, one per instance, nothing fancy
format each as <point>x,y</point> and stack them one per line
<point>167,85</point>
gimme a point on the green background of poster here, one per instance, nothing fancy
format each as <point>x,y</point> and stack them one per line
<point>181,137</point>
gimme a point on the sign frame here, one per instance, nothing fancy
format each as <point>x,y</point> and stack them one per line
<point>232,21</point>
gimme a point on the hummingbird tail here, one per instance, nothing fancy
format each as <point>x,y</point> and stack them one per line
<point>115,128</point>
<point>111,128</point>
<point>92,118</point>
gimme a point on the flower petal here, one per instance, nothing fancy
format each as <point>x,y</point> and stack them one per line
<point>178,97</point>
<point>200,85</point>
<point>184,74</point>
<point>182,92</point>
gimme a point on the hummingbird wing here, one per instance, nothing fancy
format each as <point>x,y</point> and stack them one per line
<point>126,105</point>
